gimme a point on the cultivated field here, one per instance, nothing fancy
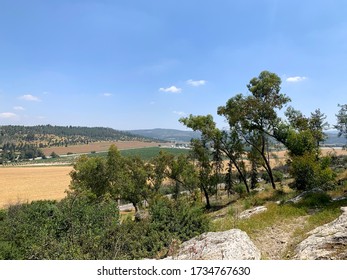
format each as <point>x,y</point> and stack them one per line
<point>98,147</point>
<point>22,184</point>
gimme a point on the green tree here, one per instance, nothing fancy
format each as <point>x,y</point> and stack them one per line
<point>317,125</point>
<point>341,125</point>
<point>90,175</point>
<point>302,137</point>
<point>309,173</point>
<point>254,117</point>
<point>134,181</point>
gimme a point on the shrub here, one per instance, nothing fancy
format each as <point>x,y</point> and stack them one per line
<point>278,175</point>
<point>75,228</point>
<point>178,219</point>
<point>315,199</point>
<point>240,189</point>
<point>308,172</point>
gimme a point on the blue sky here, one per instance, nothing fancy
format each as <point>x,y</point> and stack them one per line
<point>143,64</point>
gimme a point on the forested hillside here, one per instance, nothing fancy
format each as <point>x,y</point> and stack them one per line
<point>25,142</point>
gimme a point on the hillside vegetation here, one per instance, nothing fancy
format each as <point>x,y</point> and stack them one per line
<point>26,142</point>
<point>178,197</point>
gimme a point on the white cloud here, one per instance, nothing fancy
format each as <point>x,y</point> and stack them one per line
<point>196,83</point>
<point>18,108</point>
<point>107,94</point>
<point>29,97</point>
<point>179,113</point>
<point>172,89</point>
<point>7,115</point>
<point>295,79</point>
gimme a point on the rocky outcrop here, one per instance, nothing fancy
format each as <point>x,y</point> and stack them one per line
<point>325,242</point>
<point>250,212</point>
<point>233,244</point>
<point>303,195</point>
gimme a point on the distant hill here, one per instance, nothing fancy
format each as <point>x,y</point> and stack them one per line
<point>48,135</point>
<point>173,135</point>
<point>333,139</point>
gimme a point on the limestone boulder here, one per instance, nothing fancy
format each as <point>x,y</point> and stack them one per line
<point>233,244</point>
<point>250,212</point>
<point>325,242</point>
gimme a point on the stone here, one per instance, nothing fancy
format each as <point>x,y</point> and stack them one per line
<point>301,196</point>
<point>250,212</point>
<point>325,242</point>
<point>233,244</point>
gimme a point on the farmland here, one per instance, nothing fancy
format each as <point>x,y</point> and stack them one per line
<point>98,147</point>
<point>20,184</point>
<point>28,183</point>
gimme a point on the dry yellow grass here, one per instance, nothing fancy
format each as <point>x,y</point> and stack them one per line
<point>25,184</point>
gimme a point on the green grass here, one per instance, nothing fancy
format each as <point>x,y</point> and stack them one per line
<point>315,210</point>
<point>145,153</point>
<point>274,214</point>
<point>149,153</point>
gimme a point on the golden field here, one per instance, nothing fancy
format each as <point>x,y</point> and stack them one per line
<point>25,184</point>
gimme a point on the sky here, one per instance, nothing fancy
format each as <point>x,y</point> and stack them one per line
<point>143,64</point>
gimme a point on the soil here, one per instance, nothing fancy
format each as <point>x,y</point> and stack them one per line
<point>275,241</point>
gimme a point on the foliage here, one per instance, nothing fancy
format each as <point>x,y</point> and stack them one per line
<point>133,181</point>
<point>180,219</point>
<point>75,228</point>
<point>277,175</point>
<point>315,199</point>
<point>309,173</point>
<point>254,117</point>
<point>341,125</point>
<point>90,174</point>
<point>82,228</point>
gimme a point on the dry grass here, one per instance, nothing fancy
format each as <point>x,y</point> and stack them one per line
<point>98,147</point>
<point>25,184</point>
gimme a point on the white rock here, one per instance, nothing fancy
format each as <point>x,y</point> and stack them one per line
<point>250,212</point>
<point>325,242</point>
<point>233,244</point>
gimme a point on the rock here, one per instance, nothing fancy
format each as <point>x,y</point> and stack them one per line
<point>250,212</point>
<point>325,242</point>
<point>301,196</point>
<point>233,244</point>
<point>141,215</point>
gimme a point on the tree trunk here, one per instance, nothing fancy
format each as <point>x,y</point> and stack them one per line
<point>208,205</point>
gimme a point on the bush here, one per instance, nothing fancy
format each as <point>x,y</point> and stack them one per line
<point>75,228</point>
<point>54,155</point>
<point>240,189</point>
<point>178,219</point>
<point>309,173</point>
<point>277,175</point>
<point>315,199</point>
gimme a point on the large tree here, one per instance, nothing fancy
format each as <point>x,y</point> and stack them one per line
<point>254,117</point>
<point>226,143</point>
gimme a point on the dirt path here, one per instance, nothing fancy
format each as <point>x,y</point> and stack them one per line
<point>274,241</point>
